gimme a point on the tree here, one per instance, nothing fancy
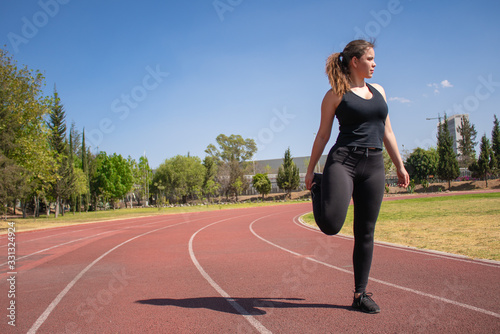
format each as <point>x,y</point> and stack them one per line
<point>85,169</point>
<point>189,175</point>
<point>288,175</point>
<point>182,177</point>
<point>99,177</point>
<point>112,178</point>
<point>77,147</point>
<point>71,174</point>
<point>78,179</point>
<point>224,178</point>
<point>13,182</point>
<point>136,186</point>
<point>62,185</point>
<point>495,141</point>
<point>23,131</point>
<point>467,153</point>
<point>262,184</point>
<point>232,156</point>
<point>448,164</point>
<point>93,162</point>
<point>232,148</point>
<point>422,163</point>
<point>210,185</point>
<point>142,174</point>
<point>57,125</point>
<point>144,178</point>
<point>80,185</point>
<point>122,179</point>
<point>238,186</point>
<point>486,161</point>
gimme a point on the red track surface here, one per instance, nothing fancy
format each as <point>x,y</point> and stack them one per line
<point>235,271</point>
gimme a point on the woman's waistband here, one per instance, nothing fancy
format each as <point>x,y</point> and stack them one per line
<point>363,149</point>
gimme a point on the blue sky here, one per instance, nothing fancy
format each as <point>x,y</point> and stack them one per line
<point>167,77</point>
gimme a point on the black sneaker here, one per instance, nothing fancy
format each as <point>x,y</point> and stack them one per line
<point>365,303</point>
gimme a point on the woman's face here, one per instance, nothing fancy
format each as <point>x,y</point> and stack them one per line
<point>365,65</point>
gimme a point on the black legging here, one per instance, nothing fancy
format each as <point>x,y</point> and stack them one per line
<point>356,172</point>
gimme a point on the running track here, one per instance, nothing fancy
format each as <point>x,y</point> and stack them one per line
<point>252,270</point>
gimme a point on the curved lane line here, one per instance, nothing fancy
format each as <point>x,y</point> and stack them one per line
<point>444,255</point>
<point>254,322</point>
<point>445,300</point>
<point>39,322</point>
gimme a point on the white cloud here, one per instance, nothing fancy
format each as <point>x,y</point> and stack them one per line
<point>435,86</point>
<point>446,84</point>
<point>400,99</point>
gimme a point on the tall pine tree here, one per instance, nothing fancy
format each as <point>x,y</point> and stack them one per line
<point>57,126</point>
<point>467,144</point>
<point>486,160</point>
<point>448,168</point>
<point>85,168</point>
<point>495,142</point>
<point>61,188</point>
<point>288,174</point>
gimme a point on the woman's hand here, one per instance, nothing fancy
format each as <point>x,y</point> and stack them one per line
<point>309,179</point>
<point>403,178</point>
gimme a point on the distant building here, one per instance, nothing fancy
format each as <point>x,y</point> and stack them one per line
<point>271,167</point>
<point>454,123</point>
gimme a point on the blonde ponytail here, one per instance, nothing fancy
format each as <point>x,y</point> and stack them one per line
<point>337,74</point>
<point>337,65</point>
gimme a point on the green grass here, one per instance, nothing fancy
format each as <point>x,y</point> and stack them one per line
<point>464,224</point>
<point>96,216</point>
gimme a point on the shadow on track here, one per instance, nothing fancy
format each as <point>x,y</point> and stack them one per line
<point>251,305</point>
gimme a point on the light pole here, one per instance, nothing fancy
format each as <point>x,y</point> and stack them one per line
<point>431,118</point>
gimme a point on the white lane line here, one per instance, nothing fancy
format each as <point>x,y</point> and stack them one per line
<point>56,246</point>
<point>445,300</point>
<point>80,239</point>
<point>254,322</point>
<point>39,322</point>
<point>69,232</point>
<point>488,263</point>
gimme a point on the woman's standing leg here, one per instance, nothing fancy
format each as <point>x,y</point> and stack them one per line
<point>367,197</point>
<point>368,193</point>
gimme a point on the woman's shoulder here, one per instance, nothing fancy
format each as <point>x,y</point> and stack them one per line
<point>330,95</point>
<point>332,99</point>
<point>380,89</point>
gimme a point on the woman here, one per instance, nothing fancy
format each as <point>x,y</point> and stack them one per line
<point>355,165</point>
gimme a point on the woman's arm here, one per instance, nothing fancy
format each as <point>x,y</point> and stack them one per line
<point>328,107</point>
<point>391,146</point>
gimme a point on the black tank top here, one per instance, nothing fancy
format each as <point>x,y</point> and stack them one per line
<point>362,121</point>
